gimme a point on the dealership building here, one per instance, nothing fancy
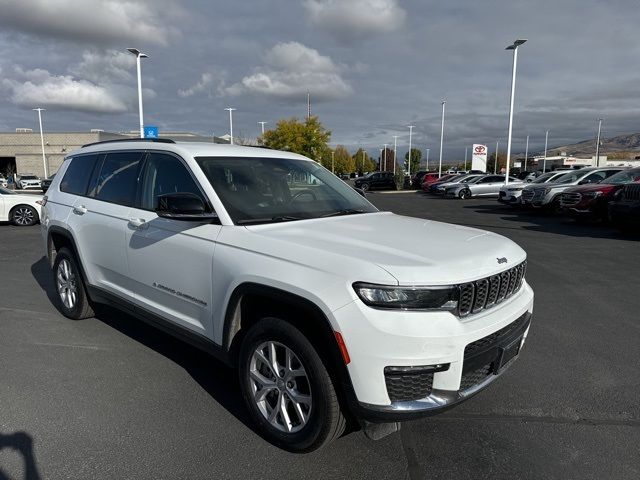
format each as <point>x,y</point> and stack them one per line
<point>21,151</point>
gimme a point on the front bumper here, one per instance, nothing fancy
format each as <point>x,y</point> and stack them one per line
<point>510,198</point>
<point>378,339</point>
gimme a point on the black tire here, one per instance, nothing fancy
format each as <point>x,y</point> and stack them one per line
<point>81,307</point>
<point>464,194</point>
<point>365,187</point>
<point>555,207</point>
<point>23,216</point>
<point>325,419</point>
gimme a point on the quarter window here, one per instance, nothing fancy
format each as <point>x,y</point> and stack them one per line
<point>118,177</point>
<point>76,178</point>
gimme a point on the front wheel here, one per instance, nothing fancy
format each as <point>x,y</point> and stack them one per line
<point>24,216</point>
<point>287,388</point>
<point>74,302</point>
<point>365,187</point>
<point>464,194</point>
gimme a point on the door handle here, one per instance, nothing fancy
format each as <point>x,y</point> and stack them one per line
<point>80,210</point>
<point>138,223</point>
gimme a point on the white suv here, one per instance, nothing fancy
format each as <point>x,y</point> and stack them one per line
<point>330,309</point>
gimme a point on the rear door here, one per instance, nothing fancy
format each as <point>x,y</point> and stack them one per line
<point>171,261</point>
<point>99,221</point>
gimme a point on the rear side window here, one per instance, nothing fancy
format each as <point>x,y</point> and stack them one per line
<point>76,178</point>
<point>118,177</point>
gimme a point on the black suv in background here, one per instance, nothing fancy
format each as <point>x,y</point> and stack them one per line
<point>376,181</point>
<point>624,210</point>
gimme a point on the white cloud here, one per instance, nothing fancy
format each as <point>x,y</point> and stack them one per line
<point>290,71</point>
<point>351,20</point>
<point>94,21</point>
<point>208,83</point>
<point>101,83</point>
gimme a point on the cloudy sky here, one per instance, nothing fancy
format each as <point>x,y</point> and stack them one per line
<point>372,67</point>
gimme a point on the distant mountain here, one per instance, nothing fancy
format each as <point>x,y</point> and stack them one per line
<point>622,145</point>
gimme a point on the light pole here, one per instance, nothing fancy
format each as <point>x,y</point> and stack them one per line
<point>44,158</point>
<point>333,154</point>
<point>262,126</point>
<point>465,157</point>
<point>546,142</point>
<point>363,154</point>
<point>514,46</point>
<point>598,143</point>
<point>526,154</point>
<point>139,55</point>
<point>409,166</point>
<point>230,124</point>
<point>395,152</point>
<point>495,164</point>
<point>441,139</point>
<point>385,157</point>
<point>428,159</point>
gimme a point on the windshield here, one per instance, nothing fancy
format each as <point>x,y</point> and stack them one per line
<point>266,190</point>
<point>28,177</point>
<point>4,191</point>
<point>545,177</point>
<point>625,176</point>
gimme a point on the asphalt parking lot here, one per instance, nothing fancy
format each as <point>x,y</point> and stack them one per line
<point>110,397</point>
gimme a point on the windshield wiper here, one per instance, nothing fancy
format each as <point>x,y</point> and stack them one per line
<point>277,218</point>
<point>346,211</point>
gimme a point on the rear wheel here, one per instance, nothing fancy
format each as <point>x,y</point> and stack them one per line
<point>365,187</point>
<point>464,194</point>
<point>287,388</point>
<point>24,216</point>
<point>73,302</point>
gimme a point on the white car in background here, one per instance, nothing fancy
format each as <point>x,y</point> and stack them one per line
<point>20,209</point>
<point>29,182</point>
<point>3,181</point>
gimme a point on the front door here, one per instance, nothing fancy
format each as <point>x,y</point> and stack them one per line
<point>170,260</point>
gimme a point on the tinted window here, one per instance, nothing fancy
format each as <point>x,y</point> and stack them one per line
<point>118,177</point>
<point>165,174</point>
<point>76,178</point>
<point>595,177</point>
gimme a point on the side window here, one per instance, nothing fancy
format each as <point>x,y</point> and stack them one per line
<point>76,178</point>
<point>165,174</point>
<point>118,177</point>
<point>608,173</point>
<point>595,177</point>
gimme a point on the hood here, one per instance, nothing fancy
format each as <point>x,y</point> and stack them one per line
<point>414,251</point>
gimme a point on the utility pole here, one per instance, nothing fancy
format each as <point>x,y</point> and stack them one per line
<point>428,159</point>
<point>409,166</point>
<point>230,124</point>
<point>465,157</point>
<point>441,139</point>
<point>598,143</point>
<point>262,126</point>
<point>526,154</point>
<point>546,142</point>
<point>363,155</point>
<point>333,154</point>
<point>495,164</point>
<point>395,152</point>
<point>44,158</point>
<point>385,157</point>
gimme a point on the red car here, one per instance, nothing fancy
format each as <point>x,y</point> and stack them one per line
<point>590,200</point>
<point>431,178</point>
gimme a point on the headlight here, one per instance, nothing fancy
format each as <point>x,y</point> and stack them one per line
<point>408,298</point>
<point>595,194</point>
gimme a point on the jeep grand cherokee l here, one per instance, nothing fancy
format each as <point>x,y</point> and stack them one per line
<point>328,308</point>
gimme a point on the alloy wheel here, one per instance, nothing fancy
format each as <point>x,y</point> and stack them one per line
<point>280,386</point>
<point>66,283</point>
<point>23,216</point>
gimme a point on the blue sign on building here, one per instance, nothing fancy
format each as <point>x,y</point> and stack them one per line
<point>150,132</point>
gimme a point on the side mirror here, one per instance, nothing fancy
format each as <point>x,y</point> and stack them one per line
<point>183,206</point>
<point>360,191</point>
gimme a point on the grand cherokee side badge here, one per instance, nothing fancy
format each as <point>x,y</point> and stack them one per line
<point>501,260</point>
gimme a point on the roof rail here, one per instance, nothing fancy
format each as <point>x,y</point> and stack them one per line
<point>154,140</point>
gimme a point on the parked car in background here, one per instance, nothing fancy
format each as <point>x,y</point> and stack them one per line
<point>440,187</point>
<point>590,201</point>
<point>3,181</point>
<point>416,179</point>
<point>376,181</point>
<point>433,178</point>
<point>511,194</point>
<point>547,196</point>
<point>20,209</point>
<point>46,183</point>
<point>29,182</point>
<point>483,186</point>
<point>624,210</point>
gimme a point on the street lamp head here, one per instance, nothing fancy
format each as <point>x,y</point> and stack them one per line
<point>137,52</point>
<point>516,44</point>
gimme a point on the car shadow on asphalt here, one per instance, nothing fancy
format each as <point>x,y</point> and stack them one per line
<point>541,221</point>
<point>20,442</point>
<point>216,378</point>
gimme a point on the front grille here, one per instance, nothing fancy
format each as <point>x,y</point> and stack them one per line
<point>474,377</point>
<point>527,194</point>
<point>492,338</point>
<point>569,199</point>
<point>408,386</point>
<point>490,291</point>
<point>631,192</point>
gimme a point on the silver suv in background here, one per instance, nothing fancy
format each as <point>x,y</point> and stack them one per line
<point>511,194</point>
<point>547,196</point>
